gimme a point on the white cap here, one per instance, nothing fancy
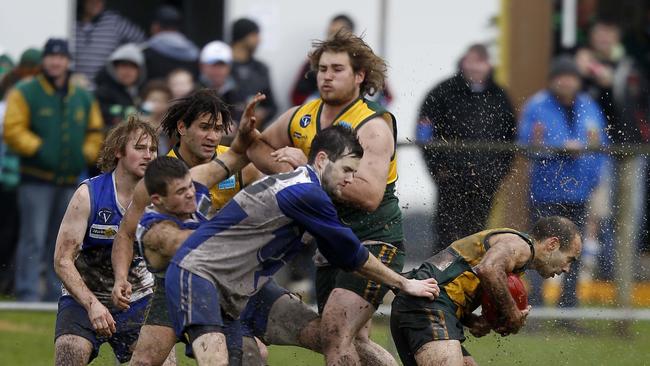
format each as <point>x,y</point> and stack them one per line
<point>216,51</point>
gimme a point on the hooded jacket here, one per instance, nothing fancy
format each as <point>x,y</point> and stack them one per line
<point>170,50</point>
<point>118,101</point>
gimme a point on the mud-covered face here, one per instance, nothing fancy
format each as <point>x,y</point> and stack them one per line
<point>179,199</point>
<point>337,174</point>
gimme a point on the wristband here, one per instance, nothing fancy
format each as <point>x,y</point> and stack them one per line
<point>223,165</point>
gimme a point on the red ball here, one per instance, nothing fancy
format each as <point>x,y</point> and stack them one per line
<point>518,292</point>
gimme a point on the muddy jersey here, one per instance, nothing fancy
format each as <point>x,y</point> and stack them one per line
<point>223,191</point>
<point>94,259</point>
<point>385,223</point>
<point>151,216</point>
<point>453,268</point>
<point>260,230</point>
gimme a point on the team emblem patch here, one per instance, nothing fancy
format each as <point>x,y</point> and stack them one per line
<point>105,215</point>
<point>305,120</point>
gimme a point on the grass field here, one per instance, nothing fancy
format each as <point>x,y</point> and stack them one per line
<point>26,338</point>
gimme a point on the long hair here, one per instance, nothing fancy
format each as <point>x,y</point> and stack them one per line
<point>191,107</point>
<point>117,139</point>
<point>362,58</point>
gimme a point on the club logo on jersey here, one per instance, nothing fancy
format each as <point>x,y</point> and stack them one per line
<point>305,120</point>
<point>103,231</point>
<point>105,215</point>
<point>228,183</point>
<point>345,124</point>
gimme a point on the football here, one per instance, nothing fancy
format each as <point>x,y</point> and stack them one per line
<point>518,292</point>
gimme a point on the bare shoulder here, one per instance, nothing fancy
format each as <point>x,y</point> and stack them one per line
<point>512,244</point>
<point>80,200</point>
<point>276,133</point>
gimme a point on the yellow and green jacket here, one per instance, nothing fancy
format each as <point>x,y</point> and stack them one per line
<point>56,136</point>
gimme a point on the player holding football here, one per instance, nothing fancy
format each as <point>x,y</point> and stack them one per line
<point>431,332</point>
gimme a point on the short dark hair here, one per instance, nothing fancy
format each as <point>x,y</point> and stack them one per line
<point>558,226</point>
<point>161,171</point>
<point>189,108</point>
<point>345,19</point>
<point>335,141</point>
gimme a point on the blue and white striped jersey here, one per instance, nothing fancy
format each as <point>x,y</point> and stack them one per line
<point>259,230</point>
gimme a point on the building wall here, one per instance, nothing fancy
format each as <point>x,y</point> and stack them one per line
<point>29,23</point>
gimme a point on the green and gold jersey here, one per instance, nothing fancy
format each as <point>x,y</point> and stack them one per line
<point>223,191</point>
<point>385,223</point>
<point>453,269</point>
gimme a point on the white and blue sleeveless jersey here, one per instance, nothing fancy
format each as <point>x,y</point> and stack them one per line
<point>259,231</point>
<point>94,260</point>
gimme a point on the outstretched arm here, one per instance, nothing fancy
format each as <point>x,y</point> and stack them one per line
<point>122,252</point>
<point>68,244</point>
<point>273,138</point>
<point>508,252</point>
<point>374,270</point>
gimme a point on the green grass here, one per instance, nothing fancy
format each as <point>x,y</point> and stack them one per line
<point>26,338</point>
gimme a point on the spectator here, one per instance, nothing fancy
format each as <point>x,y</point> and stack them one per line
<point>98,33</point>
<point>561,184</point>
<point>55,127</point>
<point>469,106</point>
<point>168,49</point>
<point>216,62</point>
<point>305,87</point>
<point>617,83</point>
<point>6,63</point>
<point>155,101</point>
<point>251,75</point>
<point>28,66</point>
<point>181,83</point>
<point>119,83</point>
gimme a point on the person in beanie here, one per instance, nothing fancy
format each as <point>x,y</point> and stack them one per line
<point>561,116</point>
<point>118,86</point>
<point>56,128</point>
<point>252,75</point>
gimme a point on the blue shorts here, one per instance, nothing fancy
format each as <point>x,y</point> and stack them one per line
<point>72,318</point>
<point>192,300</point>
<point>255,316</point>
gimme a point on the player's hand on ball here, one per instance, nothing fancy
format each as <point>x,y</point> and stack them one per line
<point>101,319</point>
<point>423,288</point>
<point>512,324</point>
<point>121,294</point>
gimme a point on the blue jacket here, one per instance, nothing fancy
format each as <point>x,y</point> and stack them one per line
<point>563,178</point>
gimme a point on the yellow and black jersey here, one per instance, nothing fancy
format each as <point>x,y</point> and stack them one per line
<point>385,223</point>
<point>453,269</point>
<point>305,124</point>
<point>224,190</point>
